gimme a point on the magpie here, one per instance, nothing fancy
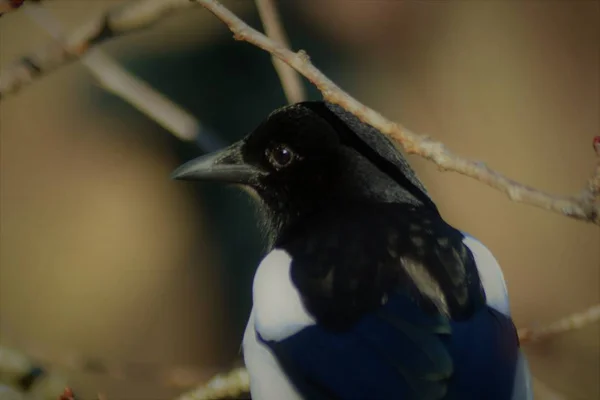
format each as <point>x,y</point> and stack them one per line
<point>365,291</point>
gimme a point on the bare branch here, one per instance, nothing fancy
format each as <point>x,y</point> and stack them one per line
<point>592,192</point>
<point>116,22</point>
<point>230,385</point>
<point>142,14</point>
<point>141,95</point>
<point>115,79</point>
<point>290,80</point>
<point>570,323</point>
<point>577,207</point>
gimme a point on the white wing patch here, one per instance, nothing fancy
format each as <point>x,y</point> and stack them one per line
<point>494,285</point>
<point>490,274</point>
<point>278,309</point>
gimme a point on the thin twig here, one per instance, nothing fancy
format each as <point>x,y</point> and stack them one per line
<point>570,323</point>
<point>230,385</point>
<point>578,207</point>
<point>115,79</point>
<point>142,96</point>
<point>592,192</point>
<point>113,23</point>
<point>144,13</point>
<point>290,80</point>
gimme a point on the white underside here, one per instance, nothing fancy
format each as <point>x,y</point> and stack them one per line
<point>278,313</point>
<point>267,381</point>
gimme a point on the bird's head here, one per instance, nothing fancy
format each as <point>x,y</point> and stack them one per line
<point>308,157</point>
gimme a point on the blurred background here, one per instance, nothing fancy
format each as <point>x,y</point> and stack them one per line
<point>103,257</point>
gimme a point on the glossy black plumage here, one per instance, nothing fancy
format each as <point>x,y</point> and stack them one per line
<point>348,260</point>
<point>398,302</point>
<point>337,165</point>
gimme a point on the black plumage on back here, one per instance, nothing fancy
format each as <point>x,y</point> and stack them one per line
<point>348,261</point>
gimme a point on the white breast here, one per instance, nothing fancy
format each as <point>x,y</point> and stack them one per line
<point>277,313</point>
<point>278,308</point>
<point>267,380</point>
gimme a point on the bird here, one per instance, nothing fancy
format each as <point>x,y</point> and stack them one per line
<point>365,291</point>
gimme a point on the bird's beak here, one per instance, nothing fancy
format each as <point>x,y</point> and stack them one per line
<point>225,165</point>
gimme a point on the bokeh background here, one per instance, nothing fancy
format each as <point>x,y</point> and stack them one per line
<point>103,257</point>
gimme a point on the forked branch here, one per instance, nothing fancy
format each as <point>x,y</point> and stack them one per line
<point>290,80</point>
<point>583,207</point>
<point>115,22</point>
<point>570,323</point>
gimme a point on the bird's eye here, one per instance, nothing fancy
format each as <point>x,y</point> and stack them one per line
<point>280,155</point>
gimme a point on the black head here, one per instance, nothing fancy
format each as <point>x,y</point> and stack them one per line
<point>307,157</point>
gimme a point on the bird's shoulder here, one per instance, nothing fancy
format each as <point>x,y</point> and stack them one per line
<point>347,262</point>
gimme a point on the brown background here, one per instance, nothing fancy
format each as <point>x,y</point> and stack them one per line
<point>90,263</point>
